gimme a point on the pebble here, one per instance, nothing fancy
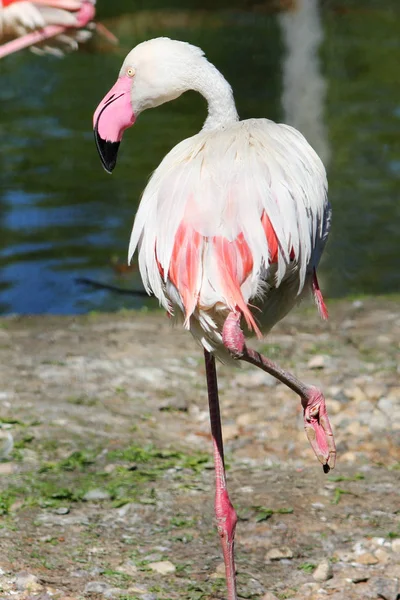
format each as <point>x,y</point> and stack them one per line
<point>334,406</point>
<point>98,587</point>
<point>254,379</point>
<point>375,391</point>
<point>355,575</point>
<point>379,421</point>
<point>27,581</point>
<point>355,393</point>
<point>279,553</point>
<point>128,567</point>
<point>62,510</point>
<point>396,545</point>
<point>319,361</point>
<point>366,559</point>
<point>382,555</point>
<point>219,571</point>
<point>386,589</point>
<point>386,405</point>
<point>323,572</point>
<point>96,495</point>
<point>6,468</point>
<point>164,567</point>
<point>269,596</point>
<point>247,419</point>
<point>230,432</point>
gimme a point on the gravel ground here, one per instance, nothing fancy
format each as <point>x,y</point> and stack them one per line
<point>106,480</point>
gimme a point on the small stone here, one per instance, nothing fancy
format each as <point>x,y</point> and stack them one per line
<point>355,393</point>
<point>254,379</point>
<point>96,495</point>
<point>334,407</point>
<point>269,596</point>
<point>374,391</point>
<point>247,419</point>
<point>230,432</point>
<point>379,421</point>
<point>128,568</point>
<point>355,575</point>
<point>27,581</point>
<point>382,555</point>
<point>98,587</point>
<point>62,510</point>
<point>323,572</point>
<point>163,567</point>
<point>386,405</point>
<point>7,468</point>
<point>366,559</point>
<point>319,361</point>
<point>396,545</point>
<point>387,589</point>
<point>279,553</point>
<point>219,572</point>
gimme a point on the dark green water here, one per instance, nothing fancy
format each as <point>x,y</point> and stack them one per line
<point>333,72</point>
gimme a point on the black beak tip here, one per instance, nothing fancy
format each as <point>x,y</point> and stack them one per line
<point>108,152</point>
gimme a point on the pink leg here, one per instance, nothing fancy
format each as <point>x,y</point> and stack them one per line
<point>224,511</point>
<point>316,422</point>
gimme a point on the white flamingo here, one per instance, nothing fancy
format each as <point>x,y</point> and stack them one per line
<point>235,213</point>
<point>47,26</point>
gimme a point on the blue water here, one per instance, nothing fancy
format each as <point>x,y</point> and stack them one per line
<point>332,71</point>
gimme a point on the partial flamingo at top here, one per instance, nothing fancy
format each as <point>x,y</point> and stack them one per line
<point>47,26</point>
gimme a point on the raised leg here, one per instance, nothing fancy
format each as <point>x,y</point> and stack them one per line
<point>316,422</point>
<point>224,511</point>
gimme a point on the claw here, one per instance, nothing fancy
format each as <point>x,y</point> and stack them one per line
<point>318,429</point>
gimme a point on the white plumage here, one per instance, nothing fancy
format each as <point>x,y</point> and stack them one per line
<point>219,182</point>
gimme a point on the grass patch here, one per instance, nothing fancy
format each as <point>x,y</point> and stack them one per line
<point>307,567</point>
<point>263,513</point>
<point>66,481</point>
<point>338,478</point>
<point>339,492</point>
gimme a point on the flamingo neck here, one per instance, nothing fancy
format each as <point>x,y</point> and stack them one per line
<point>211,84</point>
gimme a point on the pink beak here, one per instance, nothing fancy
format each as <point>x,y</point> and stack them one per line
<point>113,115</point>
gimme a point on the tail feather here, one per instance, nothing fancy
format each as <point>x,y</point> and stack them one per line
<point>319,300</point>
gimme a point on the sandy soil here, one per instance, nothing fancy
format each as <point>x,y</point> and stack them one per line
<point>107,490</point>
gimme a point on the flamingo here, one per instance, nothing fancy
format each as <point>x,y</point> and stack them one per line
<point>56,25</point>
<point>235,214</point>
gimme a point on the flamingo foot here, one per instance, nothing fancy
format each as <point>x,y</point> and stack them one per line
<point>318,428</point>
<point>226,525</point>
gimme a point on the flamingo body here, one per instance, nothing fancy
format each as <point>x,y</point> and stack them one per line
<point>230,215</point>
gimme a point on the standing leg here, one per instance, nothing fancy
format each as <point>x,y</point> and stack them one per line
<point>316,422</point>
<point>224,511</point>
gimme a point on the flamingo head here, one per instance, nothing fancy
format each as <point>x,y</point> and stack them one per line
<point>154,72</point>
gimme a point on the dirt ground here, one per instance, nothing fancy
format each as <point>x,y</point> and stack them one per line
<point>106,478</point>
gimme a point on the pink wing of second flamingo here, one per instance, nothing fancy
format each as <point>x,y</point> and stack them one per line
<point>53,26</point>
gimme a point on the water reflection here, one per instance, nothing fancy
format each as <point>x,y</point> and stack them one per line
<point>332,72</point>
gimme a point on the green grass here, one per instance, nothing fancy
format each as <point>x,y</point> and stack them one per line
<point>263,513</point>
<point>66,481</point>
<point>307,567</point>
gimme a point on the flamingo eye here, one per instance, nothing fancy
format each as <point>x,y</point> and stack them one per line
<point>130,72</point>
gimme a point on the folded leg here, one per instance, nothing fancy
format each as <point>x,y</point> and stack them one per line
<point>316,421</point>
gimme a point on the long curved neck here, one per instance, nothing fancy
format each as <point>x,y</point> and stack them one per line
<point>211,84</point>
